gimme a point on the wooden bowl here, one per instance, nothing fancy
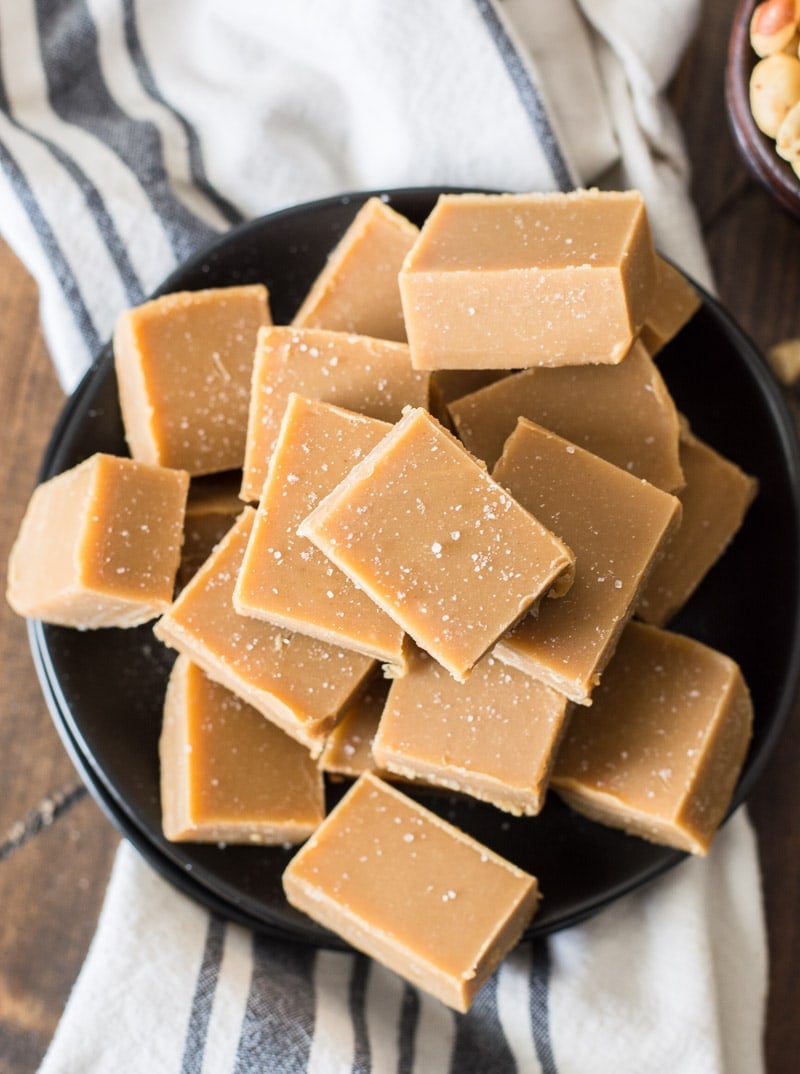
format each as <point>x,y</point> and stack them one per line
<point>757,150</point>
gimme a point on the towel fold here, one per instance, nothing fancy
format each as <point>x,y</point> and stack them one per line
<point>132,132</point>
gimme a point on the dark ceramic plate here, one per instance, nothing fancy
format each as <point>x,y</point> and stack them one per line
<point>105,688</point>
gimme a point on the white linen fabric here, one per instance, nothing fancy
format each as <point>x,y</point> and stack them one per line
<point>133,131</point>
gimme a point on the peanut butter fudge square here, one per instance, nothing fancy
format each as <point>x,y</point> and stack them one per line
<point>660,750</point>
<point>615,523</point>
<point>348,748</point>
<point>357,290</point>
<point>371,376</point>
<point>211,509</point>
<point>284,578</point>
<point>715,500</point>
<point>184,365</point>
<point>299,683</point>
<point>412,891</point>
<point>100,544</point>
<point>674,303</point>
<point>227,774</point>
<point>493,736</point>
<point>623,413</point>
<point>450,555</point>
<point>508,281</point>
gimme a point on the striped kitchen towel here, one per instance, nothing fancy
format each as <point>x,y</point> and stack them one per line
<point>669,979</point>
<point>131,132</point>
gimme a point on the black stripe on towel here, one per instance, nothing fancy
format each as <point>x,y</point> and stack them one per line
<point>69,44</point>
<point>406,1030</point>
<point>197,1031</point>
<point>528,94</point>
<point>55,255</point>
<point>480,1045</point>
<point>94,201</point>
<point>198,172</point>
<point>358,992</point>
<point>278,1023</point>
<point>539,992</point>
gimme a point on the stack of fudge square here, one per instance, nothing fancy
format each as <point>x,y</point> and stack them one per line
<point>433,531</point>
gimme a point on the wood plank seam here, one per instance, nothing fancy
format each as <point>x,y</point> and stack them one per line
<point>743,186</point>
<point>49,810</point>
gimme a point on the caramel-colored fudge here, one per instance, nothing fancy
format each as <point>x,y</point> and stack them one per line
<point>622,413</point>
<point>357,290</point>
<point>412,891</point>
<point>715,500</point>
<point>184,364</point>
<point>674,303</point>
<point>493,737</point>
<point>284,578</point>
<point>370,376</point>
<point>660,750</point>
<point>616,525</point>
<point>99,545</point>
<point>426,533</point>
<point>211,509</point>
<point>299,683</point>
<point>450,384</point>
<point>508,281</point>
<point>227,774</point>
<point>348,748</point>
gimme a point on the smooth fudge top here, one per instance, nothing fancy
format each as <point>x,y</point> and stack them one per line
<point>660,750</point>
<point>184,364</point>
<point>715,500</point>
<point>675,302</point>
<point>411,890</point>
<point>623,413</point>
<point>615,523</point>
<point>421,527</point>
<point>284,578</point>
<point>517,280</point>
<point>227,773</point>
<point>99,544</point>
<point>357,289</point>
<point>493,736</point>
<point>301,684</point>
<point>370,376</point>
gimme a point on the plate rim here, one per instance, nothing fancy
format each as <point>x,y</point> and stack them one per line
<point>119,812</point>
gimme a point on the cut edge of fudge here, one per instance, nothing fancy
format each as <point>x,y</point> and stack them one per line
<point>178,824</point>
<point>659,599</point>
<point>311,734</point>
<point>374,211</point>
<point>513,653</point>
<point>380,638</point>
<point>523,794</point>
<point>415,967</point>
<point>77,600</point>
<point>694,823</point>
<point>560,570</point>
<point>438,346</point>
<point>139,411</point>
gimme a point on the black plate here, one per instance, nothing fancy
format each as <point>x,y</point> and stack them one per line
<point>105,688</point>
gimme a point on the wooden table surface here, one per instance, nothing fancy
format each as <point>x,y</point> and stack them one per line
<point>56,848</point>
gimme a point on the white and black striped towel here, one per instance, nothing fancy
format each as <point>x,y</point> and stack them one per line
<point>131,131</point>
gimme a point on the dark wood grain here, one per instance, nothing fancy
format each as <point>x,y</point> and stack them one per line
<point>755,253</point>
<point>51,887</point>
